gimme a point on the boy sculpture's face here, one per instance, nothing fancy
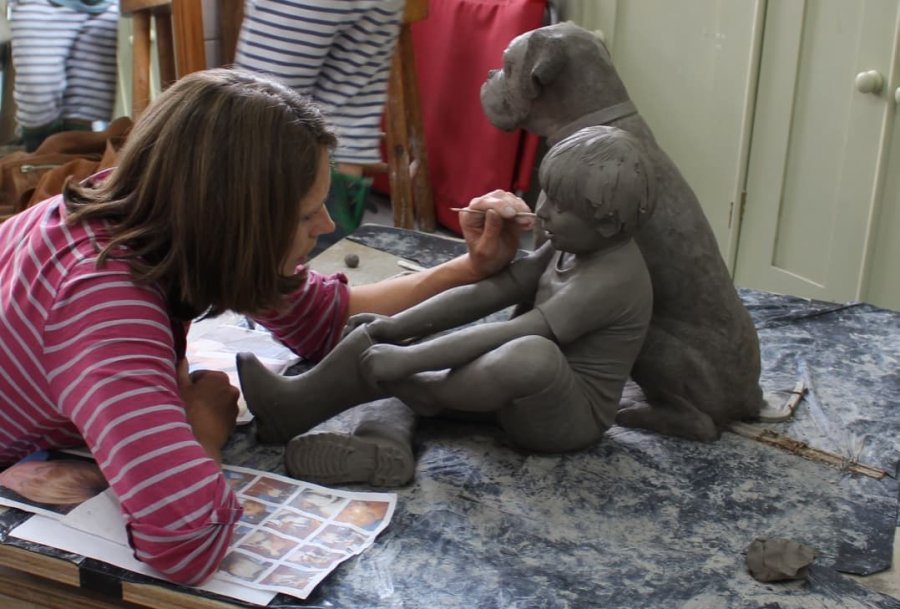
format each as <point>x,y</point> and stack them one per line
<point>567,230</point>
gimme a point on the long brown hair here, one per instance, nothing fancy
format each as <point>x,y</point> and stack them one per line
<point>205,199</point>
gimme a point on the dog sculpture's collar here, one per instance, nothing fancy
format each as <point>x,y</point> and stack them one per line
<point>599,117</point>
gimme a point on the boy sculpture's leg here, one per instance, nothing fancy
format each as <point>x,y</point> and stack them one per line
<point>377,452</point>
<point>287,406</point>
<point>528,383</point>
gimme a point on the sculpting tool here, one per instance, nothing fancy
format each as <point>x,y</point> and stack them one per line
<point>409,265</point>
<point>521,214</point>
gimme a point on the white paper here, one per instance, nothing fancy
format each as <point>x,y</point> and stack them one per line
<point>56,534</point>
<point>212,344</point>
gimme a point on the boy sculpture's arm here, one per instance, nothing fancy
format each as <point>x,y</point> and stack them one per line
<point>386,363</point>
<point>461,305</point>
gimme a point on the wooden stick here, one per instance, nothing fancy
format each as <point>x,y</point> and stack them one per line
<point>802,449</point>
<point>521,214</point>
<point>796,395</point>
<point>775,415</point>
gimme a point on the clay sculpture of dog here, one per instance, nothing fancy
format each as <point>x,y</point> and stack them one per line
<point>699,366</point>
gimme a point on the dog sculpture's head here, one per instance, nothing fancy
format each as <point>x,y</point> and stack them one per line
<point>551,76</point>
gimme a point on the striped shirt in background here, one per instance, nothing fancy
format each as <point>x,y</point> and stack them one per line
<point>336,51</point>
<point>88,357</point>
<point>65,62</point>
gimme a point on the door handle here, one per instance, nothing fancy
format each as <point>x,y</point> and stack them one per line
<point>870,81</point>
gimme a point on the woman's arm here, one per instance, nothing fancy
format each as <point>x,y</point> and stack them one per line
<point>110,360</point>
<point>492,240</point>
<point>311,323</point>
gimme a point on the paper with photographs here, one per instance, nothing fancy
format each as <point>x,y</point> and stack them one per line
<point>291,536</point>
<point>294,533</point>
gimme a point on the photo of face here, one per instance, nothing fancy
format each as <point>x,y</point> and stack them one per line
<point>292,524</point>
<point>364,514</point>
<point>317,503</point>
<point>237,480</point>
<point>243,566</point>
<point>55,484</point>
<point>315,557</point>
<point>270,489</point>
<point>267,544</point>
<point>241,530</point>
<point>339,538</point>
<point>255,511</point>
<point>289,577</point>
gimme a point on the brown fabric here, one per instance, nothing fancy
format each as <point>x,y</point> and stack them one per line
<point>27,178</point>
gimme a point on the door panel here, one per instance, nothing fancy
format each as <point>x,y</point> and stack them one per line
<point>690,68</point>
<point>883,281</point>
<point>815,148</point>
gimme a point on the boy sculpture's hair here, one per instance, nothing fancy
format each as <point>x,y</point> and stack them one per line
<point>601,173</point>
<point>207,192</point>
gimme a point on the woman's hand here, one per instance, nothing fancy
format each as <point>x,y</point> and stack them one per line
<point>211,405</point>
<point>493,237</point>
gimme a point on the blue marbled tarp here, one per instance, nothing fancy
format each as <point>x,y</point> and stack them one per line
<point>642,521</point>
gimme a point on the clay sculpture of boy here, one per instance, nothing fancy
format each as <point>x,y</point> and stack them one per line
<point>553,374</point>
<point>700,364</point>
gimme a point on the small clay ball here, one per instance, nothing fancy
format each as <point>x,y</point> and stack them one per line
<point>351,260</point>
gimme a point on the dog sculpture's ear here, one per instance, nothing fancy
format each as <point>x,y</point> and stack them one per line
<point>547,57</point>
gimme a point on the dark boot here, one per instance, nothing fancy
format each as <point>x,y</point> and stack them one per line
<point>378,452</point>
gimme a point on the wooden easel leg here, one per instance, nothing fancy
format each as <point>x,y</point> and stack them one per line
<point>421,178</point>
<point>398,153</point>
<point>165,48</point>
<point>140,66</point>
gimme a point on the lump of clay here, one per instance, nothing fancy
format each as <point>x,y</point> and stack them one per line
<point>351,260</point>
<point>772,560</point>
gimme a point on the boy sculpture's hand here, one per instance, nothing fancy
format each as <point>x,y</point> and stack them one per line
<point>493,237</point>
<point>211,405</point>
<point>380,328</point>
<point>385,363</point>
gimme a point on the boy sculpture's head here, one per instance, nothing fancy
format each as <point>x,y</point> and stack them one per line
<point>601,176</point>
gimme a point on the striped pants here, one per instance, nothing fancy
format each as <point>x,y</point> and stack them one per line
<point>336,51</point>
<point>65,63</point>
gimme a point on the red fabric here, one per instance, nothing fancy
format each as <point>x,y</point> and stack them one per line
<point>455,47</point>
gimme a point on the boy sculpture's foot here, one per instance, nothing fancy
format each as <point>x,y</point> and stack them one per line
<point>286,406</point>
<point>338,458</point>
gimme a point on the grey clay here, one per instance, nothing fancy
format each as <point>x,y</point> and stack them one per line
<point>699,367</point>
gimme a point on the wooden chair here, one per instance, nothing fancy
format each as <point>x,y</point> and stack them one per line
<point>407,159</point>
<point>179,43</point>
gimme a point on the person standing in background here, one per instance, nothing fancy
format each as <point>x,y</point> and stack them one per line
<point>64,56</point>
<point>338,52</point>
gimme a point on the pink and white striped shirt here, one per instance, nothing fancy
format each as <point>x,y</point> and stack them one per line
<point>88,357</point>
